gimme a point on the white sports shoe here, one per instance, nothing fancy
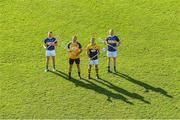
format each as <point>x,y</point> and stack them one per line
<point>79,78</point>
<point>46,70</point>
<point>53,69</point>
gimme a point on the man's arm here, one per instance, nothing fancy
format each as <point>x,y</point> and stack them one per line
<point>80,51</point>
<point>106,42</point>
<point>45,44</point>
<point>87,51</point>
<point>69,47</point>
<point>80,47</point>
<point>118,41</point>
<point>98,50</point>
<point>54,43</point>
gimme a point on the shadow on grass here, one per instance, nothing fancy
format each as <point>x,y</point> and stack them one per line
<point>121,90</point>
<point>92,86</point>
<point>145,85</point>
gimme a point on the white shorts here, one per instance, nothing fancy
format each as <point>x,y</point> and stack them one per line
<point>50,53</point>
<point>111,54</point>
<point>93,62</point>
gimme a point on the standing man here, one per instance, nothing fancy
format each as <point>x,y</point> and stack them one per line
<point>93,51</point>
<point>112,41</point>
<point>50,43</point>
<point>74,49</point>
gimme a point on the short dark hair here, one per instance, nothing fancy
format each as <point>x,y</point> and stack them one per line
<point>50,32</point>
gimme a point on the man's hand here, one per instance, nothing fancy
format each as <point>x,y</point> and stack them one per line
<point>105,42</point>
<point>79,52</point>
<point>118,43</point>
<point>69,50</point>
<point>76,54</point>
<point>50,43</point>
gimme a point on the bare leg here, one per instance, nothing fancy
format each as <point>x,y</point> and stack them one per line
<point>97,70</point>
<point>89,71</point>
<point>70,70</point>
<point>108,63</point>
<point>47,63</point>
<point>114,64</point>
<point>54,64</point>
<point>79,72</point>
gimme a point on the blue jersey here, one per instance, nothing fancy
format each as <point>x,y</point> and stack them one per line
<point>48,40</point>
<point>112,41</point>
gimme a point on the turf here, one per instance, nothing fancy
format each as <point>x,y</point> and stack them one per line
<point>146,85</point>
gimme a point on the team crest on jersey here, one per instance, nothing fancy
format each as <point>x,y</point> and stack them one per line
<point>111,41</point>
<point>74,48</point>
<point>93,50</point>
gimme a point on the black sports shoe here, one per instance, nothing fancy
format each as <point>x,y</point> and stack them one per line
<point>108,69</point>
<point>69,77</point>
<point>115,71</point>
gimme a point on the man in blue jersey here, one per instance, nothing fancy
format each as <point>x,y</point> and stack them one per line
<point>112,41</point>
<point>50,43</point>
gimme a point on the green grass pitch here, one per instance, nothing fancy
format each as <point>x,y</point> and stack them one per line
<point>148,81</point>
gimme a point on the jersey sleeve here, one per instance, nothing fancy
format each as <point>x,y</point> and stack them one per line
<point>45,41</point>
<point>117,39</point>
<point>69,45</point>
<point>55,40</point>
<point>80,46</point>
<point>107,39</point>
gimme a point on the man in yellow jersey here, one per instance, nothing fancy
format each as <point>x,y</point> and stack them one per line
<point>74,49</point>
<point>93,52</point>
